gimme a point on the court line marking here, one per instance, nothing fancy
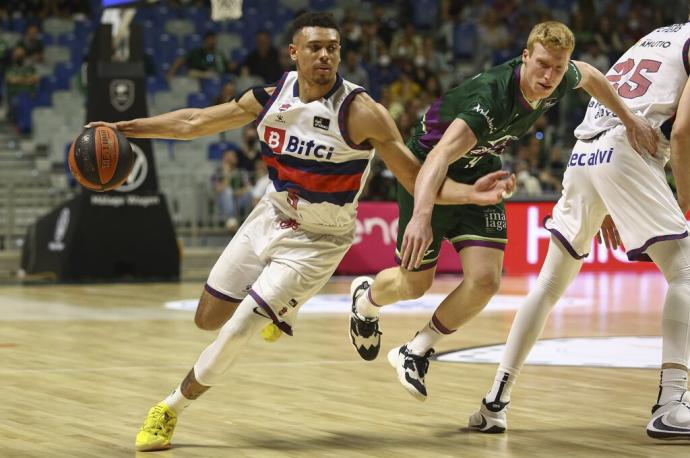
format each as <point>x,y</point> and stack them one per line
<point>172,366</point>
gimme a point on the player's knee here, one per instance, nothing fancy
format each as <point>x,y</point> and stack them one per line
<point>484,283</point>
<point>206,323</point>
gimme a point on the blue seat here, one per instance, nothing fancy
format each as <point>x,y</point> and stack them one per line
<point>156,84</point>
<point>464,40</point>
<point>197,100</point>
<point>322,5</point>
<point>211,87</point>
<point>216,150</point>
<point>63,72</point>
<point>425,13</point>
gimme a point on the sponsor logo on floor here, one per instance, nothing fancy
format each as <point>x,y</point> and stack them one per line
<point>622,352</point>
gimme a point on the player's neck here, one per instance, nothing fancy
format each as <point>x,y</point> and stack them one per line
<point>308,92</point>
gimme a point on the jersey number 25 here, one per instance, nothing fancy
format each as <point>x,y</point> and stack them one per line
<point>637,84</point>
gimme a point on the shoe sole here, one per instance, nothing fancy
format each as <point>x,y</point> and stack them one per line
<point>393,361</point>
<point>667,436</point>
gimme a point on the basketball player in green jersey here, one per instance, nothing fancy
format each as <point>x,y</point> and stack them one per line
<point>461,136</point>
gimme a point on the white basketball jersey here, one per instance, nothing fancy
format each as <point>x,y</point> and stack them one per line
<point>317,172</point>
<point>649,77</point>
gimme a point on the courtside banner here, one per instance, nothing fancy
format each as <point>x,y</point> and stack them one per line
<point>377,228</point>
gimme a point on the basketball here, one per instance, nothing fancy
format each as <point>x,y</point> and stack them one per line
<point>100,158</point>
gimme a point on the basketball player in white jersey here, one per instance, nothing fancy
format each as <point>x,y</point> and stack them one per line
<point>605,176</point>
<point>318,134</point>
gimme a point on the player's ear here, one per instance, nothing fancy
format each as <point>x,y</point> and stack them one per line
<point>525,55</point>
<point>292,49</point>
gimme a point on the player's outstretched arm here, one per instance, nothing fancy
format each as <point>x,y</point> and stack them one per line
<point>368,120</point>
<point>642,136</point>
<point>190,123</point>
<point>680,149</point>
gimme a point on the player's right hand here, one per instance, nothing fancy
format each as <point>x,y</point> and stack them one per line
<point>608,234</point>
<point>417,238</point>
<point>642,137</point>
<point>492,188</point>
<point>112,125</point>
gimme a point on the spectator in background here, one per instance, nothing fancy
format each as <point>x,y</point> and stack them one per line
<point>551,172</point>
<point>429,57</point>
<point>404,89</point>
<point>233,191</point>
<point>227,93</point>
<point>250,150</point>
<point>21,77</point>
<point>203,62</point>
<point>350,36</point>
<point>261,180</point>
<point>371,44</point>
<point>527,185</point>
<point>353,71</point>
<point>264,60</point>
<point>608,39</point>
<point>406,44</point>
<point>245,80</point>
<point>32,44</point>
<point>493,35</point>
<point>595,57</point>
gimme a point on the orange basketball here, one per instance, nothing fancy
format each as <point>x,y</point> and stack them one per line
<point>100,158</point>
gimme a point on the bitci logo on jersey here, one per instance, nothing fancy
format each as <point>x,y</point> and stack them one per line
<point>275,139</point>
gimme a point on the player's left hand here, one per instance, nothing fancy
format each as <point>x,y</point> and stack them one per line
<point>417,238</point>
<point>609,234</point>
<point>492,188</point>
<point>642,137</point>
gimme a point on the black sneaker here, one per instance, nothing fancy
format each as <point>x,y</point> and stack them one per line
<point>364,332</point>
<point>411,370</point>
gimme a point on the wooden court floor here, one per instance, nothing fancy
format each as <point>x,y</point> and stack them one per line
<point>81,364</point>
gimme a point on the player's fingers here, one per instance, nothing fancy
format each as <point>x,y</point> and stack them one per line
<point>420,254</point>
<point>414,253</point>
<point>404,247</point>
<point>611,236</point>
<point>607,242</point>
<point>619,242</point>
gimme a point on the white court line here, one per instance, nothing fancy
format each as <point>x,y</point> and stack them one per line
<point>172,366</point>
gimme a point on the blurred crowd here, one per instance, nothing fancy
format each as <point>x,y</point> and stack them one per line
<point>406,53</point>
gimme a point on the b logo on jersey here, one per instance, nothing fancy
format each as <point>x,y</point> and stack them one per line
<point>275,139</point>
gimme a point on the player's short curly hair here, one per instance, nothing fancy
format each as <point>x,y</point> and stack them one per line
<point>551,34</point>
<point>314,19</point>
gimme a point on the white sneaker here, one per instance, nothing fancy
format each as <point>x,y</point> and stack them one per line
<point>411,370</point>
<point>364,332</point>
<point>671,420</point>
<point>491,417</point>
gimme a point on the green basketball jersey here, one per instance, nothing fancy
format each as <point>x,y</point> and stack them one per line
<point>492,105</point>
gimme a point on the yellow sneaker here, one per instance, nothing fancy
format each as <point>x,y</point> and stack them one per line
<point>157,430</point>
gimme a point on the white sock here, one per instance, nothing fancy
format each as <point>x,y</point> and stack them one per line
<point>176,400</point>
<point>673,259</point>
<point>674,384</point>
<point>558,271</point>
<point>429,336</point>
<point>503,385</point>
<point>366,307</point>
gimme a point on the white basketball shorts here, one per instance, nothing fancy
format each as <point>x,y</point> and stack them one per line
<point>276,262</point>
<point>606,176</point>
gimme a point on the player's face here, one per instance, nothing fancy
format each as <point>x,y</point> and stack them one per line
<point>543,71</point>
<point>316,52</point>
